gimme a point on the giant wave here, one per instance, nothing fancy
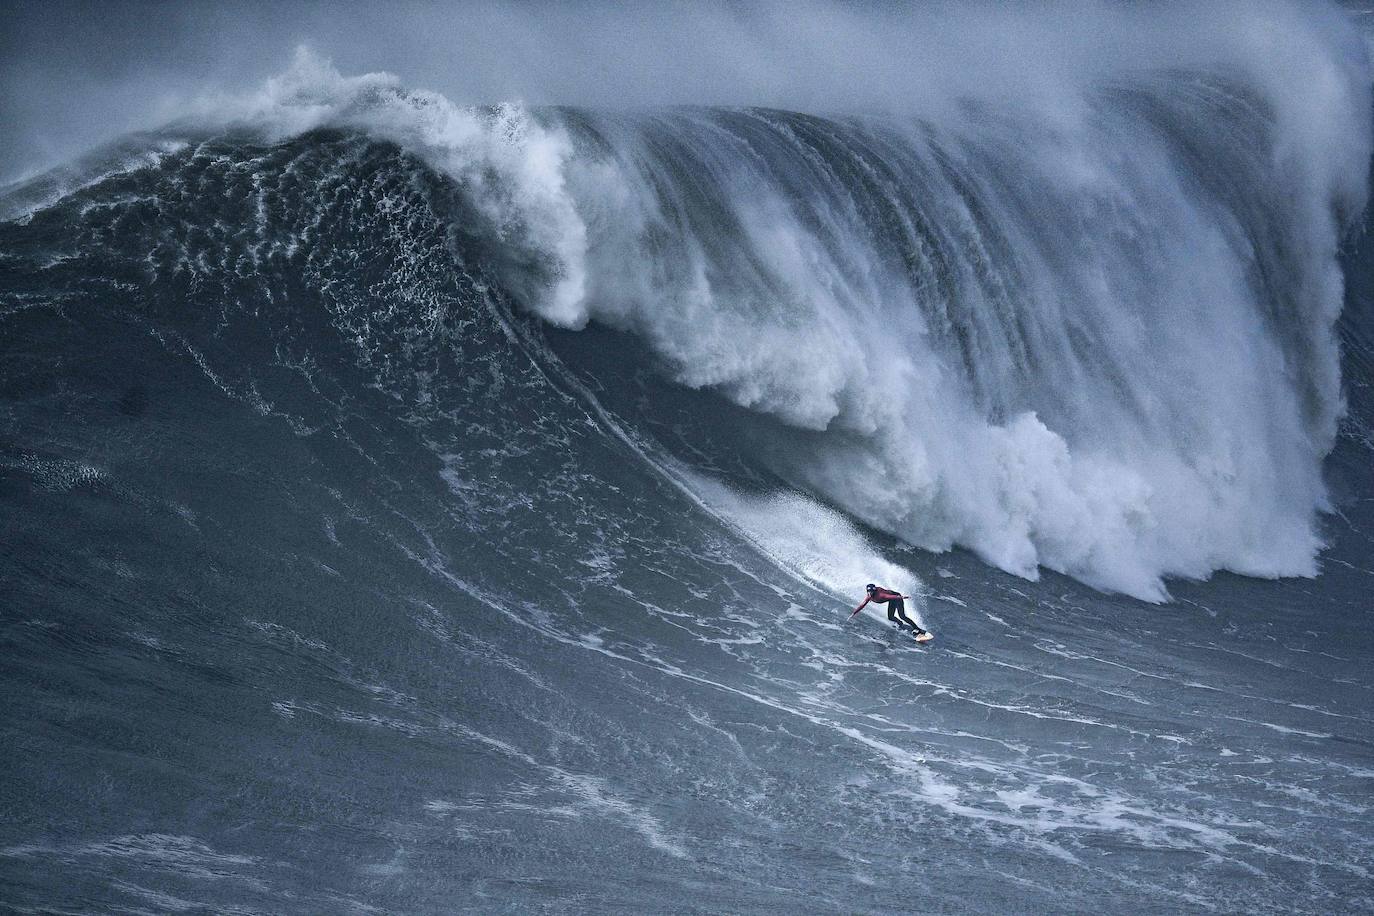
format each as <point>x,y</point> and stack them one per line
<point>1094,334</point>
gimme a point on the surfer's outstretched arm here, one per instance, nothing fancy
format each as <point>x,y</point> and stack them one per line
<point>861,607</point>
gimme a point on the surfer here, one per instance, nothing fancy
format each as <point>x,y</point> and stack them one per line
<point>896,606</point>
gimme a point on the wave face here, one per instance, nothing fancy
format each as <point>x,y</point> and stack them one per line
<point>420,508</point>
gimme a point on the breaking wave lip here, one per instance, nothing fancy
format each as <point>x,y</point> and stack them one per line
<point>1087,329</point>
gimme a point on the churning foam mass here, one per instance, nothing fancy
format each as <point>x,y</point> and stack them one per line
<point>1077,313</point>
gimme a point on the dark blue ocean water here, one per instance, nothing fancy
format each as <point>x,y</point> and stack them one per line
<point>334,580</point>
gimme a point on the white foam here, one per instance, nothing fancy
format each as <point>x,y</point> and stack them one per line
<point>1160,428</point>
<point>816,544</point>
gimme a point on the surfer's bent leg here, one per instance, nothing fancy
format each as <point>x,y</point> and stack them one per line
<point>896,610</point>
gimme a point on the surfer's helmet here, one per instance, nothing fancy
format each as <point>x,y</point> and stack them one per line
<point>870,587</point>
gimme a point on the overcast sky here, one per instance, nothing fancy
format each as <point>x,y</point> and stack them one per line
<point>74,73</point>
